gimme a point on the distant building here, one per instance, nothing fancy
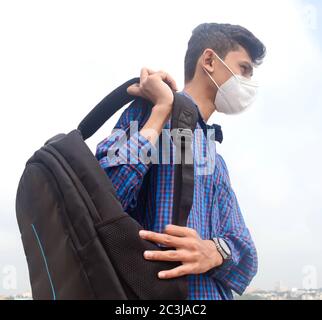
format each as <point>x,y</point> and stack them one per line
<point>294,294</point>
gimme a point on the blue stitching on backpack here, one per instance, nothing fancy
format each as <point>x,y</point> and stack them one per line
<point>45,260</point>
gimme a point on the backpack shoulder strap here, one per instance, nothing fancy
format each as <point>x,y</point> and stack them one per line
<point>183,124</point>
<point>106,108</point>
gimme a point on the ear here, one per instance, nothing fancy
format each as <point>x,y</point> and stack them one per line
<point>208,60</point>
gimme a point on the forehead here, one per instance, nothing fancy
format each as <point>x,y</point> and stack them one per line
<point>240,55</point>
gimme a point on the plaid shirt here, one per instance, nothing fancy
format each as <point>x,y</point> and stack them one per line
<point>215,211</point>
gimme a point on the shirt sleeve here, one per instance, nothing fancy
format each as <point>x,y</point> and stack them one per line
<point>240,270</point>
<point>124,157</point>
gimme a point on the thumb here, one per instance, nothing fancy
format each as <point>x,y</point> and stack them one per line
<point>134,90</point>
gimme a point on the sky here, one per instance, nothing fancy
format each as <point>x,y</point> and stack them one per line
<point>59,59</point>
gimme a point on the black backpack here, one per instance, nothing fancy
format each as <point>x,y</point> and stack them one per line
<point>78,241</point>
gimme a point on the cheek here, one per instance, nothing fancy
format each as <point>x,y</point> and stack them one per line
<point>222,78</point>
<point>223,75</point>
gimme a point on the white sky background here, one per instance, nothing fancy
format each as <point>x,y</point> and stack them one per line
<point>58,59</point>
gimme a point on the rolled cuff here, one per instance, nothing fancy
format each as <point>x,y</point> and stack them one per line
<point>227,272</point>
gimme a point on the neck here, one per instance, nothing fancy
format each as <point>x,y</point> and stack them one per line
<point>202,97</point>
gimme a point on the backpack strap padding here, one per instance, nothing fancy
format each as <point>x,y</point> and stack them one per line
<point>183,124</point>
<point>106,108</point>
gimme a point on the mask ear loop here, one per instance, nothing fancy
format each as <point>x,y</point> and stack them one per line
<point>219,89</point>
<point>211,78</point>
<point>248,82</point>
<point>241,79</point>
<point>224,64</point>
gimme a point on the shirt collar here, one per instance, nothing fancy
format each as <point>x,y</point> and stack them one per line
<point>218,131</point>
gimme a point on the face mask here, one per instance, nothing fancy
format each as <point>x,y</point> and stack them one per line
<point>236,94</point>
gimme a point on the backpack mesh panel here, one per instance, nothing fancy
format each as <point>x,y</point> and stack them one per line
<point>125,248</point>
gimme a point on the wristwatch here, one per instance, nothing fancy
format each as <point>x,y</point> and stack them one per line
<point>222,248</point>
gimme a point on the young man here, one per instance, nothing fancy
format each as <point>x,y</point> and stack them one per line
<point>216,249</point>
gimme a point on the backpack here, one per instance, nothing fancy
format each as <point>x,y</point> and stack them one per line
<point>78,241</point>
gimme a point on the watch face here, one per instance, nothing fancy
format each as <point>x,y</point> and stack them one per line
<point>224,246</point>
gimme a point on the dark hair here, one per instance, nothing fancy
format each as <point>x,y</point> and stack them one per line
<point>222,38</point>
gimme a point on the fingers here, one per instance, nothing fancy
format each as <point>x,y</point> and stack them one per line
<point>134,90</point>
<point>174,273</point>
<point>150,71</point>
<point>168,79</point>
<point>180,231</point>
<point>167,240</point>
<point>145,72</point>
<point>166,255</point>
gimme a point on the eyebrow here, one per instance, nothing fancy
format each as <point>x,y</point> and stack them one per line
<point>249,67</point>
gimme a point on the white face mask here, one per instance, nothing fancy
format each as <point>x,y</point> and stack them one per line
<point>236,94</point>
